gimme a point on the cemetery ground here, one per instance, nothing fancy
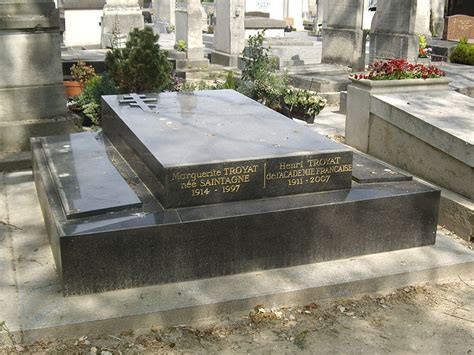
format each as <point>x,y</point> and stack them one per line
<point>427,318</point>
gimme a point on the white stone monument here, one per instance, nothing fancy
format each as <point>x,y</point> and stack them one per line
<point>32,99</point>
<point>343,35</point>
<point>165,11</point>
<point>229,34</point>
<point>437,17</point>
<point>189,30</point>
<point>396,27</point>
<point>120,17</point>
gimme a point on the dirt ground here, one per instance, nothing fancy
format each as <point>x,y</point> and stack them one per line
<point>425,319</point>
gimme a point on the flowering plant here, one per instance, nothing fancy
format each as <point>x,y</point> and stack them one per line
<point>82,72</point>
<point>423,50</point>
<point>307,101</point>
<point>397,69</point>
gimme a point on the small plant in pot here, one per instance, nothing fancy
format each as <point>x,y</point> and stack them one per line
<point>80,74</point>
<point>424,52</point>
<point>302,104</point>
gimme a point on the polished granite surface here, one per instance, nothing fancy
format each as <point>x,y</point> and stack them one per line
<point>87,182</point>
<point>217,126</point>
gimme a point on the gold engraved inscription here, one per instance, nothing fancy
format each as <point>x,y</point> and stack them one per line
<point>226,180</point>
<point>309,171</point>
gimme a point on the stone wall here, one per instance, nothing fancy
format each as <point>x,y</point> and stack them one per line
<point>31,81</point>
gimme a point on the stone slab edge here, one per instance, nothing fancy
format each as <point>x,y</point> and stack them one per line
<point>456,212</point>
<point>199,302</point>
<point>429,134</point>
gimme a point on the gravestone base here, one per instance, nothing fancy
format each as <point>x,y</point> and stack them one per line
<point>225,59</point>
<point>41,101</point>
<point>185,186</point>
<point>184,64</point>
<point>151,245</point>
<point>344,46</point>
<point>182,61</point>
<point>389,46</point>
<point>15,136</point>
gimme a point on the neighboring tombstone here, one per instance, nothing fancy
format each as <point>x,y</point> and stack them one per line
<point>32,99</point>
<point>460,7</point>
<point>396,28</point>
<point>229,35</point>
<point>189,30</point>
<point>343,36</point>
<point>459,26</point>
<point>165,11</point>
<point>120,17</point>
<point>274,7</point>
<point>437,17</point>
<point>295,12</point>
<point>83,22</point>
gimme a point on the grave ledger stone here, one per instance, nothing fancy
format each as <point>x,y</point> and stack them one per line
<point>32,100</point>
<point>212,183</point>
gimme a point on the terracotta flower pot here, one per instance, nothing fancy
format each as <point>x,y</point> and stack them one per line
<point>73,88</point>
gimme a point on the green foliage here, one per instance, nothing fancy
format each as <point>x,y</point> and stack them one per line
<point>181,45</point>
<point>256,60</point>
<point>463,53</point>
<point>170,28</point>
<point>82,72</point>
<point>260,81</point>
<point>141,66</point>
<point>89,100</point>
<point>229,81</point>
<point>210,29</point>
<point>304,100</point>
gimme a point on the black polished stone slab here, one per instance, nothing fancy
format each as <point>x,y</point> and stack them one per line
<point>366,170</point>
<point>132,248</point>
<point>218,146</point>
<point>86,181</point>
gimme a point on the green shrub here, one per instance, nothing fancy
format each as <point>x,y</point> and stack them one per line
<point>463,53</point>
<point>229,81</point>
<point>260,81</point>
<point>89,100</point>
<point>141,66</point>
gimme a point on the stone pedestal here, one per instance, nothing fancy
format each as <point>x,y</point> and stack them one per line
<point>396,28</point>
<point>229,36</point>
<point>120,17</point>
<point>32,100</point>
<point>359,103</point>
<point>343,36</point>
<point>437,17</point>
<point>165,11</point>
<point>200,187</point>
<point>189,30</point>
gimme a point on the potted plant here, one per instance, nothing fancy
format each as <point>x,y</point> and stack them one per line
<point>80,74</point>
<point>424,52</point>
<point>385,77</point>
<point>302,104</point>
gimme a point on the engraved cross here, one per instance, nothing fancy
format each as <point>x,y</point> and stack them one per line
<point>135,100</point>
